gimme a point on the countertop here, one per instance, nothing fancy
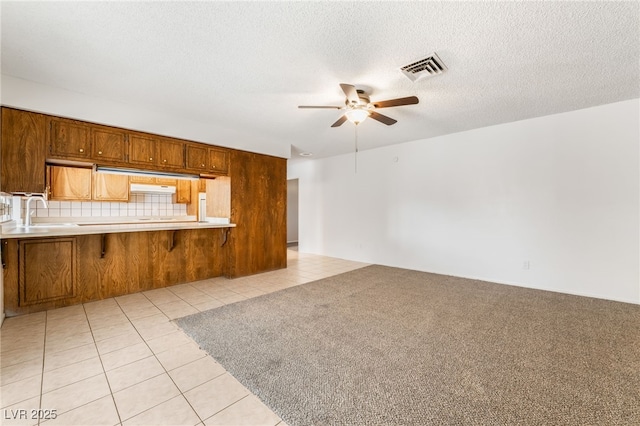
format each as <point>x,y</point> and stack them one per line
<point>10,230</point>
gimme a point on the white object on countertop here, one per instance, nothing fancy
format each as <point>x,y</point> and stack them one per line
<point>16,209</point>
<point>202,206</point>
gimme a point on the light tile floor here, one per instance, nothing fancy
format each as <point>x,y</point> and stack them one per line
<point>122,361</point>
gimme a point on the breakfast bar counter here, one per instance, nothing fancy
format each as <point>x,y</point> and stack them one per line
<point>62,264</point>
<point>56,229</point>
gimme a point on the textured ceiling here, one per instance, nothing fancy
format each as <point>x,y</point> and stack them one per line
<point>241,68</point>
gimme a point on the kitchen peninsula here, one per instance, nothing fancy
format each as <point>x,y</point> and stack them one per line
<point>73,261</point>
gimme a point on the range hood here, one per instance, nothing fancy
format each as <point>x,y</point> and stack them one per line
<point>143,188</point>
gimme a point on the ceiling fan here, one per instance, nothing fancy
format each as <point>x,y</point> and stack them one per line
<point>358,107</point>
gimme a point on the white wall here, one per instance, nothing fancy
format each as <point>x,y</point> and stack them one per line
<point>561,192</point>
<point>31,96</point>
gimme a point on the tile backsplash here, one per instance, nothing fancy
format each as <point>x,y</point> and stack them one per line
<point>138,205</point>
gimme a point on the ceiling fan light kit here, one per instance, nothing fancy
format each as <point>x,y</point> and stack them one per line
<point>357,116</point>
<point>358,107</point>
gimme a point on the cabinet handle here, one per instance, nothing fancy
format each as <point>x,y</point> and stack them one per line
<point>99,152</point>
<point>213,167</point>
<point>150,158</point>
<point>81,149</point>
<point>4,255</point>
<point>164,161</point>
<point>171,240</point>
<point>225,235</point>
<point>202,165</point>
<point>103,245</point>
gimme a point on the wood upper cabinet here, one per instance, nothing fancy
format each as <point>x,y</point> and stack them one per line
<point>142,179</point>
<point>183,191</point>
<point>142,150</point>
<point>197,157</point>
<point>69,139</point>
<point>166,181</point>
<point>23,151</point>
<point>47,270</point>
<point>69,183</point>
<point>83,184</point>
<point>151,152</point>
<point>207,160</point>
<point>218,160</point>
<point>107,187</point>
<point>108,145</point>
<point>170,153</point>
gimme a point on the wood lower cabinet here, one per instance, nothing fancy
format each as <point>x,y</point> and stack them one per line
<point>47,273</point>
<point>47,270</point>
<point>22,151</point>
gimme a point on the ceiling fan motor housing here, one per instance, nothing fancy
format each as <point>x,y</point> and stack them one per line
<point>364,98</point>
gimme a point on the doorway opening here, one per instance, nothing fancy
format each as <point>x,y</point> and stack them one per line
<point>292,214</point>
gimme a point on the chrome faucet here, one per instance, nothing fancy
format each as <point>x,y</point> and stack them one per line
<point>27,219</point>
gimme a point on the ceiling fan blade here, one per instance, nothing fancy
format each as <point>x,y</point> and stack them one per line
<point>351,92</point>
<point>318,106</point>
<point>340,121</point>
<point>382,118</point>
<point>411,100</point>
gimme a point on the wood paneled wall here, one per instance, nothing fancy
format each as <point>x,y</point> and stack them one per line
<point>258,207</point>
<point>22,149</point>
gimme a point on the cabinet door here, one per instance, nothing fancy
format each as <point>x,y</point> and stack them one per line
<point>142,150</point>
<point>69,183</point>
<point>108,144</point>
<point>183,191</point>
<point>171,154</point>
<point>218,160</point>
<point>219,197</point>
<point>107,187</point>
<point>47,270</point>
<point>166,181</point>
<point>142,179</point>
<point>197,158</point>
<point>23,151</point>
<point>69,139</point>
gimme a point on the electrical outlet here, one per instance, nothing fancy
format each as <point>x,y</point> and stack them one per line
<point>526,265</point>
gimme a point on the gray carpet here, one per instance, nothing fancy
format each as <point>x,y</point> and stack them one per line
<point>388,346</point>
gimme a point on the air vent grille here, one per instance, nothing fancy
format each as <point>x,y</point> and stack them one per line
<point>429,66</point>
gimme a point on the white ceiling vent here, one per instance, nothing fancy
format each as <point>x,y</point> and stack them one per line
<point>429,66</point>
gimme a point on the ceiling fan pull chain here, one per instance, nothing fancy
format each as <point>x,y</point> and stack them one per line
<point>356,153</point>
